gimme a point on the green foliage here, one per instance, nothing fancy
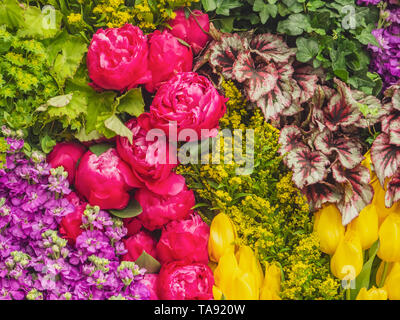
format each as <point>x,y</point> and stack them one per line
<point>270,214</point>
<point>3,148</point>
<point>331,34</point>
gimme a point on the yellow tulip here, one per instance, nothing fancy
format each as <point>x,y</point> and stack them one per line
<point>329,228</point>
<point>379,202</point>
<point>225,271</point>
<point>372,294</point>
<point>272,279</point>
<point>268,294</point>
<point>217,293</point>
<point>367,162</point>
<point>243,286</point>
<point>347,261</point>
<point>389,238</point>
<point>366,226</point>
<point>392,283</point>
<point>379,272</point>
<point>222,237</point>
<point>248,262</point>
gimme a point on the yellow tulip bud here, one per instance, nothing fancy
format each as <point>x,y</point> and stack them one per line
<point>372,294</point>
<point>248,262</point>
<point>329,228</point>
<point>217,293</point>
<point>225,271</point>
<point>268,294</point>
<point>379,202</point>
<point>347,261</point>
<point>389,238</point>
<point>242,286</point>
<point>379,272</point>
<point>366,226</point>
<point>222,237</point>
<point>272,279</point>
<point>367,162</point>
<point>392,283</point>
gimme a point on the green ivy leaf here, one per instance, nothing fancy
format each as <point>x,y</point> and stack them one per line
<point>224,6</point>
<point>295,25</point>
<point>133,209</point>
<point>209,5</point>
<point>131,102</point>
<point>307,49</point>
<point>99,149</point>
<point>47,144</point>
<point>148,262</point>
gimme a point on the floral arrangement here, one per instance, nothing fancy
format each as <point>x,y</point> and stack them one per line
<point>199,150</point>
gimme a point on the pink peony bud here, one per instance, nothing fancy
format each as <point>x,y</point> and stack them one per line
<point>70,225</point>
<point>136,244</point>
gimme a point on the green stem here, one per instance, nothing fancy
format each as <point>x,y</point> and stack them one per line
<point>384,274</point>
<point>348,292</point>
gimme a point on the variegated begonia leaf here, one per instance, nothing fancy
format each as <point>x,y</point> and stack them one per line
<point>307,81</point>
<point>348,150</point>
<point>319,193</point>
<point>393,93</point>
<point>358,193</point>
<point>290,138</point>
<point>224,53</point>
<point>308,166</point>
<point>394,131</point>
<point>258,78</point>
<point>385,157</point>
<point>393,190</point>
<point>271,48</point>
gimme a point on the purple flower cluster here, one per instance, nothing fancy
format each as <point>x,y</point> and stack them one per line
<point>35,261</point>
<point>386,58</point>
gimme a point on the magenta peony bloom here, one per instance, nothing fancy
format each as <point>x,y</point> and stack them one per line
<point>133,225</point>
<point>184,240</point>
<point>105,180</point>
<point>180,281</point>
<point>117,58</point>
<point>70,226</point>
<point>158,210</point>
<point>166,58</point>
<point>150,280</point>
<point>191,101</point>
<point>66,154</point>
<point>190,30</point>
<point>148,157</point>
<point>136,244</point>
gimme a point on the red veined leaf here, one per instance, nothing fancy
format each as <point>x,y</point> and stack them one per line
<point>391,114</point>
<point>358,193</point>
<point>393,190</point>
<point>394,131</point>
<point>290,138</point>
<point>385,157</point>
<point>349,151</point>
<point>319,193</point>
<point>306,80</point>
<point>393,92</point>
<point>308,166</point>
<point>259,79</point>
<point>225,52</point>
<point>271,47</point>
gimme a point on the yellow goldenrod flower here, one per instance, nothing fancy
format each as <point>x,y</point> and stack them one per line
<point>347,261</point>
<point>328,226</point>
<point>372,294</point>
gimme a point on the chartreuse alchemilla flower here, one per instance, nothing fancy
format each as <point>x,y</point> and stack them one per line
<point>272,283</point>
<point>372,294</point>
<point>366,226</point>
<point>392,283</point>
<point>328,226</point>
<point>222,237</point>
<point>347,261</point>
<point>389,238</point>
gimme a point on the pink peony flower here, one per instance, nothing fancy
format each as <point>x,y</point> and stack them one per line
<point>185,240</point>
<point>150,280</point>
<point>117,58</point>
<point>148,158</point>
<point>70,225</point>
<point>158,210</point>
<point>191,101</point>
<point>190,30</point>
<point>66,154</point>
<point>105,180</point>
<point>133,225</point>
<point>166,58</point>
<point>136,244</point>
<point>74,199</point>
<point>180,281</point>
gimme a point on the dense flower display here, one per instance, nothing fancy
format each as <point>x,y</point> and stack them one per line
<point>199,150</point>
